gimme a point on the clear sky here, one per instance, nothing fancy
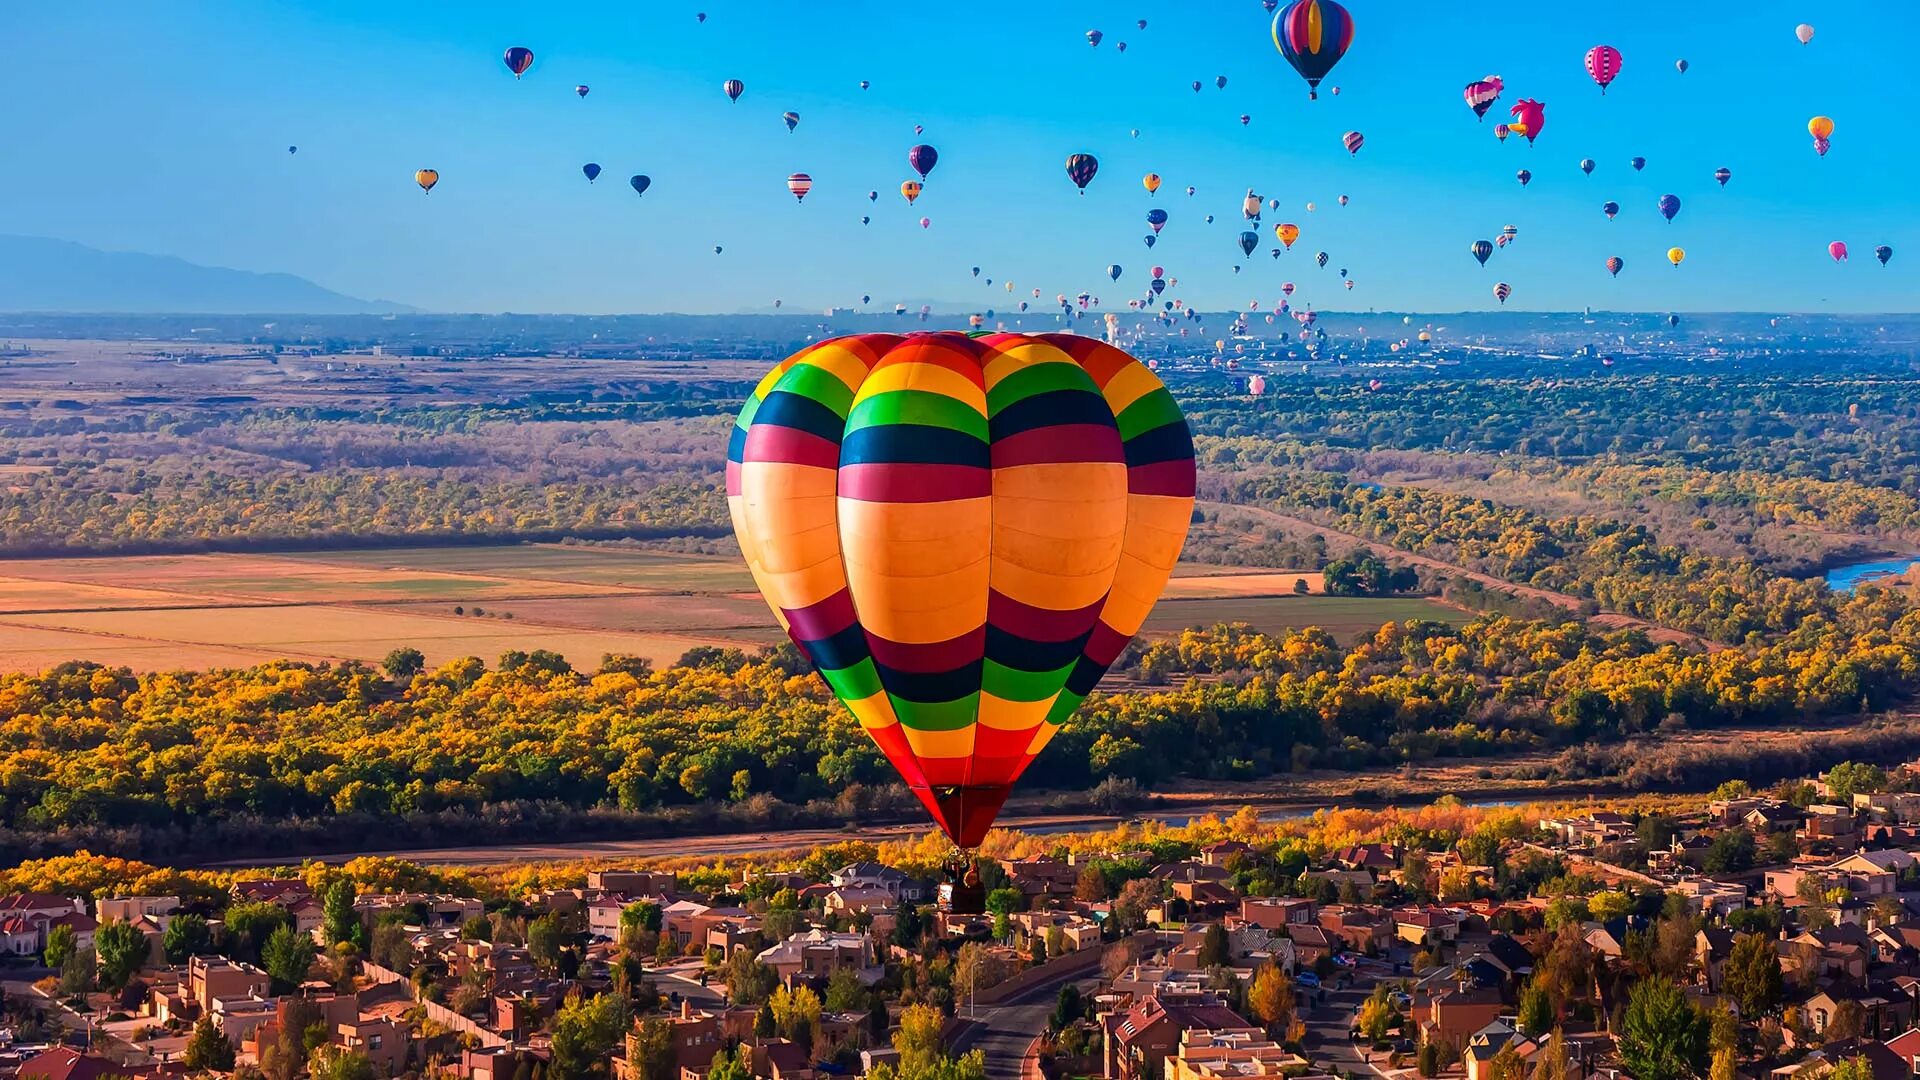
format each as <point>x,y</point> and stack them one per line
<point>163,128</point>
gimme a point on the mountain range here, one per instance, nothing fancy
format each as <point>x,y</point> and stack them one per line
<point>46,275</point>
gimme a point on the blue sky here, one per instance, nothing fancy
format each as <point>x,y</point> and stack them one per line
<point>164,127</point>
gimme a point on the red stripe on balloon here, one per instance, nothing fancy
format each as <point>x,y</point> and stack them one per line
<point>914,482</point>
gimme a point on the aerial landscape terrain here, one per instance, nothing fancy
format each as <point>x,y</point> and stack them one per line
<point>986,543</point>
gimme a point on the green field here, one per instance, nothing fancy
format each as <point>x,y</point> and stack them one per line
<point>1340,615</point>
<point>553,562</point>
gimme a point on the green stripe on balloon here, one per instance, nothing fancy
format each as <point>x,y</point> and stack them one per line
<point>936,715</point>
<point>1154,410</point>
<point>917,407</point>
<point>1014,684</point>
<point>1035,380</point>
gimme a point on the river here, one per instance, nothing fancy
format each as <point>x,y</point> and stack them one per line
<point>1846,578</point>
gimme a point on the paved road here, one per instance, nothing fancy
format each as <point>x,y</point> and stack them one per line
<point>1010,1030</point>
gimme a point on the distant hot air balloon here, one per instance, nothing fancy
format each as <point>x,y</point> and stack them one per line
<point>799,183</point>
<point>864,84</point>
<point>1196,86</point>
<point>1286,289</point>
<point>1248,241</point>
<point>1150,239</point>
<point>1081,169</point>
<point>865,220</point>
<point>582,89</point>
<point>1723,175</point>
<point>640,184</point>
<point>1838,249</point>
<point>1482,250</point>
<point>1353,140</point>
<point>1156,217</point>
<point>1094,37</point>
<point>792,119</point>
<point>1245,119</point>
<point>1669,206</point>
<point>1343,200</point>
<point>1093,532</point>
<point>426,178</point>
<point>1820,127</point>
<point>1676,256</point>
<point>1681,66</point>
<point>1529,118</point>
<point>1883,253</point>
<point>926,223</point>
<point>1502,291</point>
<point>733,88</point>
<point>1151,182</point>
<point>1615,264</point>
<point>1603,64</point>
<point>1673,320</point>
<point>1524,176</point>
<point>1509,232</point>
<point>1609,208</point>
<point>1482,94</point>
<point>1257,385</point>
<point>910,190</point>
<point>1500,132</point>
<point>1586,166</point>
<point>922,159</point>
<point>1321,259</point>
<point>592,170</point>
<point>1821,146</point>
<point>716,249</point>
<point>293,149</point>
<point>1286,232</point>
<point>1113,271</point>
<point>519,59</point>
<point>1313,35</point>
<point>976,271</point>
<point>1220,82</point>
<point>700,16</point>
<point>1804,32</point>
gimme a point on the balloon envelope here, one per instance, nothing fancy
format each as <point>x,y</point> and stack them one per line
<point>1313,35</point>
<point>1056,531</point>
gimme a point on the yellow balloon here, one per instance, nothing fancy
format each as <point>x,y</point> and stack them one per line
<point>1151,182</point>
<point>1676,255</point>
<point>426,178</point>
<point>1820,127</point>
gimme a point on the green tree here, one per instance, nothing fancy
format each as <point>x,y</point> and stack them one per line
<point>1751,976</point>
<point>546,937</point>
<point>326,1062</point>
<point>121,949</point>
<point>1663,1036</point>
<point>249,925</point>
<point>845,992</point>
<point>737,1065</point>
<point>1536,1011</point>
<point>650,1051</point>
<point>402,664</point>
<point>392,947</point>
<point>1213,947</point>
<point>585,1031</point>
<point>1730,852</point>
<point>340,922</point>
<point>749,982</point>
<point>60,946</point>
<point>640,916</point>
<point>918,1040</point>
<point>78,973</point>
<point>1850,778</point>
<point>288,957</point>
<point>208,1049</point>
<point>187,934</point>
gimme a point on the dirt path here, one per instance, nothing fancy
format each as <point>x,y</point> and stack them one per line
<point>1611,620</point>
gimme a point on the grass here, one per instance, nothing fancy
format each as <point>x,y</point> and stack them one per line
<point>1340,615</point>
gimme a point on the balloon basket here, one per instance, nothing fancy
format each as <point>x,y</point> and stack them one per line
<point>963,893</point>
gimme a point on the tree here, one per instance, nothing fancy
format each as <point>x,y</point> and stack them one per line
<point>121,949</point>
<point>1663,1037</point>
<point>392,947</point>
<point>327,1062</point>
<point>77,974</point>
<point>1856,1067</point>
<point>249,925</point>
<point>585,1031</point>
<point>208,1049</point>
<point>764,1026</point>
<point>60,946</point>
<point>1270,997</point>
<point>1609,905</point>
<point>749,981</point>
<point>641,916</point>
<point>918,1040</point>
<point>1536,1011</point>
<point>737,1065</point>
<point>187,934</point>
<point>975,968</point>
<point>1751,976</point>
<point>1213,947</point>
<point>1091,886</point>
<point>545,938</point>
<point>288,957</point>
<point>796,1014</point>
<point>340,922</point>
<point>1136,896</point>
<point>1506,1064</point>
<point>1730,852</point>
<point>845,992</point>
<point>402,664</point>
<point>1552,1058</point>
<point>1850,778</point>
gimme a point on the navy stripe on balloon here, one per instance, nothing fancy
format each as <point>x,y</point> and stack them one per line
<point>788,409</point>
<point>1169,442</point>
<point>1048,409</point>
<point>916,443</point>
<point>932,687</point>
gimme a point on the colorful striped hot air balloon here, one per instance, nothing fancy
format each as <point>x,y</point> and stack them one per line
<point>1502,291</point>
<point>1603,63</point>
<point>1482,94</point>
<point>1313,35</point>
<point>1353,141</point>
<point>962,533</point>
<point>799,183</point>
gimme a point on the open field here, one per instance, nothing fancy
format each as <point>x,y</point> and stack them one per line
<point>1339,615</point>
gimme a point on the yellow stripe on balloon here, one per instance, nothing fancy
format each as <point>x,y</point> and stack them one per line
<point>750,550</point>
<point>793,517</point>
<point>1128,385</point>
<point>875,711</point>
<point>930,745</point>
<point>928,377</point>
<point>1019,357</point>
<point>1041,738</point>
<point>1156,528</point>
<point>1315,27</point>
<point>1004,715</point>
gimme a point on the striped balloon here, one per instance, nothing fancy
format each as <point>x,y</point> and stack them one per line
<point>1502,291</point>
<point>799,183</point>
<point>1482,93</point>
<point>1313,35</point>
<point>1353,141</point>
<point>1603,63</point>
<point>962,533</point>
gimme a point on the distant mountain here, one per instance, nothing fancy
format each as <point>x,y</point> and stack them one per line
<point>41,274</point>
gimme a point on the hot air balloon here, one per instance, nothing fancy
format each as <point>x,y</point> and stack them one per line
<point>1609,208</point>
<point>426,178</point>
<point>1286,232</point>
<point>1502,291</point>
<point>640,184</point>
<point>792,119</point>
<point>1820,127</point>
<point>1482,250</point>
<point>1150,239</point>
<point>733,88</point>
<point>1615,264</point>
<point>293,149</point>
<point>1586,166</point>
<point>1156,217</point>
<point>1257,385</point>
<point>1838,249</point>
<point>1343,200</point>
<point>962,657</point>
<point>1680,66</point>
<point>1676,256</point>
<point>519,59</point>
<point>1509,232</point>
<point>716,249</point>
<point>1081,169</point>
<point>1804,32</point>
<point>910,190</point>
<point>1248,241</point>
<point>1669,206</point>
<point>1353,141</point>
<point>799,183</point>
<point>1723,175</point>
<point>1151,182</point>
<point>1821,146</point>
<point>1603,64</point>
<point>1094,37</point>
<point>1245,119</point>
<point>918,129</point>
<point>864,84</point>
<point>1250,206</point>
<point>1500,132</point>
<point>1158,286</point>
<point>976,271</point>
<point>592,170</point>
<point>926,223</point>
<point>1673,320</point>
<point>1313,35</point>
<point>1286,289</point>
<point>1209,219</point>
<point>1113,271</point>
<point>582,89</point>
<point>922,159</point>
<point>1529,117</point>
<point>700,16</point>
<point>1883,253</point>
<point>1321,258</point>
<point>865,220</point>
<point>1196,86</point>
<point>1157,272</point>
<point>1524,176</point>
<point>1482,94</point>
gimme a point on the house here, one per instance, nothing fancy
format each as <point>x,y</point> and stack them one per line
<point>1427,926</point>
<point>25,919</point>
<point>782,1059</point>
<point>1772,818</point>
<point>1138,1040</point>
<point>1231,1055</point>
<point>1311,941</point>
<point>1190,870</point>
<point>1277,912</point>
<point>1705,896</point>
<point>1829,824</point>
<point>1711,947</point>
<point>129,908</point>
<point>1485,1044</point>
<point>1889,807</point>
<point>849,900</point>
<point>820,953</point>
<point>1886,1064</point>
<point>1868,874</point>
<point>1221,853</point>
<point>210,978</point>
<point>282,891</point>
<point>1838,951</point>
<point>1042,875</point>
<point>1897,944</point>
<point>874,875</point>
<point>1378,858</point>
<point>634,882</point>
<point>1206,899</point>
<point>309,915</point>
<point>1598,829</point>
<point>1883,1010</point>
<point>384,1040</point>
<point>1360,928</point>
<point>1453,1014</point>
<point>66,1063</point>
<point>603,917</point>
